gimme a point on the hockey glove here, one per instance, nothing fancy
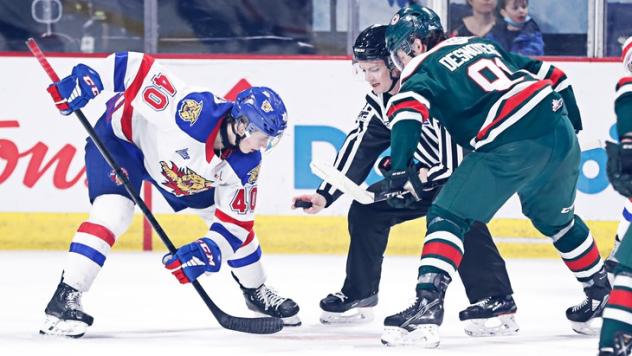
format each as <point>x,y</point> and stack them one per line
<point>403,188</point>
<point>73,92</point>
<point>192,260</point>
<point>619,167</point>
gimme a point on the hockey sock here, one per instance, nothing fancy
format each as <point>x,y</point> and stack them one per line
<point>618,313</point>
<point>110,216</point>
<point>443,246</point>
<point>578,250</point>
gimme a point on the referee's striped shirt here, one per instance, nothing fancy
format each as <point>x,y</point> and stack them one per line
<point>436,150</point>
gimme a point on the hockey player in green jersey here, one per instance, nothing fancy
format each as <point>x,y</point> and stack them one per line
<point>616,332</point>
<point>511,111</point>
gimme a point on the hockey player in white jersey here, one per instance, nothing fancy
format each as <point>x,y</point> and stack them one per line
<point>199,151</point>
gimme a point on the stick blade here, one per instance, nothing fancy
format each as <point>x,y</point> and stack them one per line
<point>265,325</point>
<point>341,182</point>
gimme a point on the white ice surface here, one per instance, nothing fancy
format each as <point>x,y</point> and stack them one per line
<point>140,309</point>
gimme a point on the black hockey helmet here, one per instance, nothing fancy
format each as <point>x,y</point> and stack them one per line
<point>371,44</point>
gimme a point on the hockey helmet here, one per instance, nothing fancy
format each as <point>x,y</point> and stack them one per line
<point>261,109</point>
<point>412,22</point>
<point>371,44</point>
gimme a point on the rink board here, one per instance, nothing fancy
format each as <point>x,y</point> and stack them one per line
<point>516,238</point>
<point>43,196</point>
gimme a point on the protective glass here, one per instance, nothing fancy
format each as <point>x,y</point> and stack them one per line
<point>253,133</point>
<point>403,49</point>
<point>368,68</point>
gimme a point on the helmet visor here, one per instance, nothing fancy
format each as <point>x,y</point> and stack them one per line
<point>400,55</point>
<point>257,137</point>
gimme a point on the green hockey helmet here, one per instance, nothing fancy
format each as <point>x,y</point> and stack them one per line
<point>412,22</point>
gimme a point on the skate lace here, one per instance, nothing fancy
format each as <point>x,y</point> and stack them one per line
<point>412,308</point>
<point>340,296</point>
<point>483,302</point>
<point>73,300</point>
<point>580,305</point>
<point>269,296</point>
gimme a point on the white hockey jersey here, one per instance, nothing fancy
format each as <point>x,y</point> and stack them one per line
<point>174,126</point>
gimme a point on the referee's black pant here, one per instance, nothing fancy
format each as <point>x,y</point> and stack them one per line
<point>482,269</point>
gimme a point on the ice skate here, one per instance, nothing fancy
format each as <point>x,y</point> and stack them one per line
<point>419,324</point>
<point>64,314</point>
<point>491,316</point>
<point>340,309</point>
<point>586,317</point>
<point>266,301</point>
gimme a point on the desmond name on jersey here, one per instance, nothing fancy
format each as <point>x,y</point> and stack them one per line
<point>462,55</point>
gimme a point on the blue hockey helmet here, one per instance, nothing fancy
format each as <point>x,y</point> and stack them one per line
<point>261,109</point>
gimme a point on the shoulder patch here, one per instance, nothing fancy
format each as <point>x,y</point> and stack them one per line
<point>245,165</point>
<point>198,113</point>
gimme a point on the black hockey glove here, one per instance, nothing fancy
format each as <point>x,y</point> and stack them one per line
<point>619,167</point>
<point>403,188</point>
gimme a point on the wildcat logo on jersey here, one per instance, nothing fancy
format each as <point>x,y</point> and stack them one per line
<point>266,107</point>
<point>253,174</point>
<point>116,179</point>
<point>190,110</point>
<point>184,181</point>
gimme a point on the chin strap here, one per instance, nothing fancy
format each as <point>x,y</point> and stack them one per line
<point>394,81</point>
<point>224,134</point>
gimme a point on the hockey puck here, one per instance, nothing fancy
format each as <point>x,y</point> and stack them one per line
<point>303,204</point>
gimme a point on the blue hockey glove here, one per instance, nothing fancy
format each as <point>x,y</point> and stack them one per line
<point>192,260</point>
<point>619,167</point>
<point>73,92</point>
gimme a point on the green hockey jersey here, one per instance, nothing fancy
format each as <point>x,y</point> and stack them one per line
<point>623,106</point>
<point>480,93</point>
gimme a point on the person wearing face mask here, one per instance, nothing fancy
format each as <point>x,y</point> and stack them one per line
<point>517,32</point>
<point>484,274</point>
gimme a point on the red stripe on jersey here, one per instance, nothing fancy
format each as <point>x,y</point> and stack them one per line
<point>210,141</point>
<point>97,230</point>
<point>251,236</point>
<point>412,105</point>
<point>246,225</point>
<point>130,94</point>
<point>444,250</point>
<point>620,297</point>
<point>626,50</point>
<point>556,76</point>
<point>623,81</point>
<point>585,261</point>
<point>512,103</point>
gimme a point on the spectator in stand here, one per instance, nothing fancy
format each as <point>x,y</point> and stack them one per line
<point>517,32</point>
<point>481,21</point>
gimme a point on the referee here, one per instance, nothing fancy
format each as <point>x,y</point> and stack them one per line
<point>482,269</point>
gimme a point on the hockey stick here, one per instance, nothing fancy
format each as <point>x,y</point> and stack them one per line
<point>266,325</point>
<point>341,182</point>
<point>373,194</point>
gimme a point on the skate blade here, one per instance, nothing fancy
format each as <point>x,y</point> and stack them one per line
<point>502,325</point>
<point>54,326</point>
<point>426,335</point>
<point>591,328</point>
<point>293,320</point>
<point>351,316</point>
